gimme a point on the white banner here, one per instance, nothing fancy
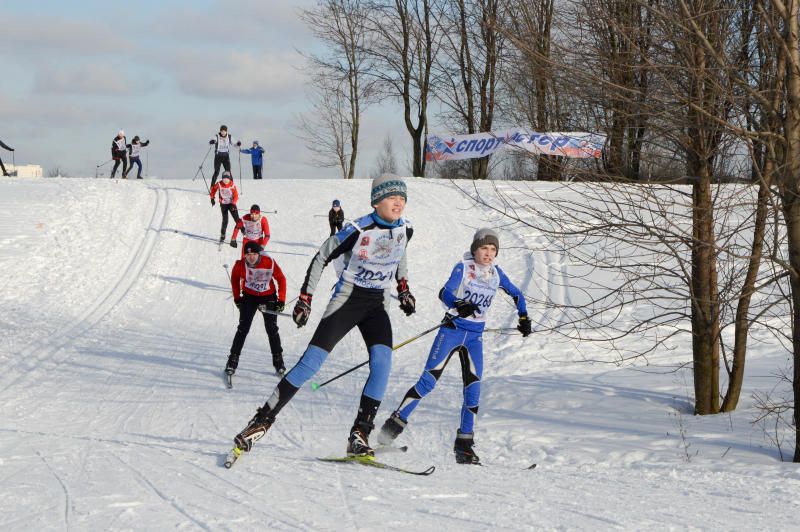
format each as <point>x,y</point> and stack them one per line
<point>572,145</point>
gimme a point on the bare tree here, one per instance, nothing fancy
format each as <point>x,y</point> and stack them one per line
<point>469,64</point>
<point>341,26</point>
<point>404,47</point>
<point>385,162</point>
<point>327,128</point>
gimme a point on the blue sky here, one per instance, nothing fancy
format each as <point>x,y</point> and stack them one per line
<point>74,73</point>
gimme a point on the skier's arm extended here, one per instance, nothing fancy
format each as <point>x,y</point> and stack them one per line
<point>334,246</point>
<point>516,294</point>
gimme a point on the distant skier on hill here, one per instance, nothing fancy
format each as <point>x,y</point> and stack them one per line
<point>256,157</point>
<point>223,143</point>
<point>255,228</point>
<point>133,152</point>
<point>467,294</point>
<point>253,281</point>
<point>374,247</point>
<point>119,153</point>
<point>9,148</point>
<point>335,217</point>
<point>228,197</point>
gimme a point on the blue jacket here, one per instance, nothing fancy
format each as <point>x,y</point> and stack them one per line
<point>257,154</point>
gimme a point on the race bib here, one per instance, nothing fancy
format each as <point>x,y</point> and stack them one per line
<point>252,230</point>
<point>257,279</point>
<point>375,258</point>
<point>478,286</point>
<point>226,194</point>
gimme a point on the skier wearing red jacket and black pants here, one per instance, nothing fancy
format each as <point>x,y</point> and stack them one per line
<point>255,228</point>
<point>228,197</point>
<point>253,280</point>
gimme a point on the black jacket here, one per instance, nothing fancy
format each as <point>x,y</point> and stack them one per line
<point>336,218</point>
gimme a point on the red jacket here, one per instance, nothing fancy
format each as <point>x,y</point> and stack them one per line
<point>258,231</point>
<point>258,280</point>
<point>228,194</point>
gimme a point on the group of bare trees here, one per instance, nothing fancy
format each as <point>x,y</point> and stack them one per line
<point>693,97</point>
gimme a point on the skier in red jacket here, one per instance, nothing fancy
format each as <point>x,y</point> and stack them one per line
<point>228,196</point>
<point>253,280</point>
<point>255,228</point>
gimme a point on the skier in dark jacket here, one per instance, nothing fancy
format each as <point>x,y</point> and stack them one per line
<point>119,152</point>
<point>133,151</point>
<point>9,148</point>
<point>336,217</point>
<point>257,158</point>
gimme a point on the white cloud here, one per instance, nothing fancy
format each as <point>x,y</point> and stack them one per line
<point>90,78</point>
<point>215,74</point>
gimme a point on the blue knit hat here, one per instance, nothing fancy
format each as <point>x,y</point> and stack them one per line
<point>336,203</point>
<point>387,185</point>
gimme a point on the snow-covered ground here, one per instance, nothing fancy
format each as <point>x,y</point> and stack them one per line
<point>116,319</point>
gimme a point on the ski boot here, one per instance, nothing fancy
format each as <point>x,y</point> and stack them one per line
<point>463,449</point>
<point>277,363</point>
<point>255,429</point>
<point>233,363</point>
<point>391,429</point>
<point>358,442</point>
<point>222,238</point>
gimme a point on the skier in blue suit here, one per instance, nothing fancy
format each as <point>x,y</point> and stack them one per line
<point>256,157</point>
<point>468,294</point>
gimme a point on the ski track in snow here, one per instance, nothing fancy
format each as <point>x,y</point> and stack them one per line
<point>115,416</point>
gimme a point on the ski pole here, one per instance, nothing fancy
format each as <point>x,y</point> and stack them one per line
<point>315,386</point>
<point>265,310</point>
<point>241,180</point>
<point>200,168</point>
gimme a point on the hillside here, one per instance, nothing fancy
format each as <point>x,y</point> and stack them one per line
<point>116,320</point>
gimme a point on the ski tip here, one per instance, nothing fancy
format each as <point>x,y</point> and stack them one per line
<point>314,386</point>
<point>532,466</point>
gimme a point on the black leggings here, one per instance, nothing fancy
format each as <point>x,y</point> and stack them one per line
<point>222,159</point>
<point>124,161</point>
<point>230,207</point>
<point>256,172</point>
<point>247,310</point>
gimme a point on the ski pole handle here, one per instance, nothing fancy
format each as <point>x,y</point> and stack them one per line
<point>315,386</point>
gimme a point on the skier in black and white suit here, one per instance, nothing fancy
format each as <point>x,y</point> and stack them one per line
<point>9,148</point>
<point>223,143</point>
<point>373,248</point>
<point>119,153</point>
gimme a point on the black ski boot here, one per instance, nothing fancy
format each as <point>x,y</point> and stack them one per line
<point>358,442</point>
<point>233,363</point>
<point>222,238</point>
<point>255,429</point>
<point>463,449</point>
<point>277,363</point>
<point>391,429</point>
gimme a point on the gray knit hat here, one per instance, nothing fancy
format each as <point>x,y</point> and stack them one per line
<point>483,237</point>
<point>387,185</point>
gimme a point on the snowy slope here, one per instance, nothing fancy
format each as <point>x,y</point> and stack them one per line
<point>116,320</point>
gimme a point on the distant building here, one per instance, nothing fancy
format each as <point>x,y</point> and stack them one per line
<point>24,170</point>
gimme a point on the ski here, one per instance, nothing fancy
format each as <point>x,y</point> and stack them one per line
<point>370,461</point>
<point>233,455</point>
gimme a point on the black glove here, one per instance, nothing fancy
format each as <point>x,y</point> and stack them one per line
<point>238,303</point>
<point>213,202</point>
<point>212,141</point>
<point>302,309</point>
<point>238,142</point>
<point>465,308</point>
<point>280,306</point>
<point>234,244</point>
<point>408,303</point>
<point>524,325</point>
